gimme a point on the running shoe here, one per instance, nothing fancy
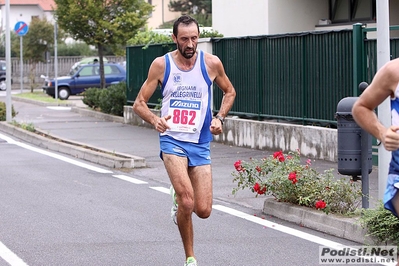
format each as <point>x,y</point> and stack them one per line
<point>173,210</point>
<point>190,262</point>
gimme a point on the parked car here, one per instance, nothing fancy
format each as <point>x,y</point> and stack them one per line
<point>86,76</point>
<point>3,75</point>
<point>87,60</point>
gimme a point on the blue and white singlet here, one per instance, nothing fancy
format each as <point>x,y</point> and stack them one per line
<point>187,98</point>
<point>394,164</point>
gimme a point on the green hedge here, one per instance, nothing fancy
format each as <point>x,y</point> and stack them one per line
<point>110,100</point>
<point>3,111</point>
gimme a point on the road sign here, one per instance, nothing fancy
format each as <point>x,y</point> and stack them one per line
<point>21,28</point>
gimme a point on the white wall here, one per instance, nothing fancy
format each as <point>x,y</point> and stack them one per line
<point>295,15</point>
<point>24,14</point>
<point>264,17</point>
<point>240,18</point>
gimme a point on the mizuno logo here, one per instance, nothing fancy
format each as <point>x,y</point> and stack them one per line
<point>185,104</point>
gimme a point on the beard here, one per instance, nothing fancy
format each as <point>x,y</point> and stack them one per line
<point>187,52</point>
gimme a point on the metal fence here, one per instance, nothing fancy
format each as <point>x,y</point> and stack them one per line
<point>138,61</point>
<point>297,77</point>
<point>47,68</point>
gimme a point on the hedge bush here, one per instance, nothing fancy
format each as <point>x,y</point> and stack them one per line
<point>110,100</point>
<point>381,224</point>
<point>3,111</point>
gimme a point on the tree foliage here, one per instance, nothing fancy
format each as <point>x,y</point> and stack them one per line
<point>102,23</point>
<point>38,41</point>
<point>201,10</point>
<point>190,7</point>
<point>147,37</point>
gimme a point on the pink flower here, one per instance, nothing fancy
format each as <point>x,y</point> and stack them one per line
<point>279,156</point>
<point>258,189</point>
<point>258,169</point>
<point>238,166</point>
<point>320,204</point>
<point>292,176</point>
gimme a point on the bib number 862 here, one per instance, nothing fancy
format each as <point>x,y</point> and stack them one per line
<point>184,117</point>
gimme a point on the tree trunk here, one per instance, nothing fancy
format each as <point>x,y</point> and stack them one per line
<point>32,74</point>
<point>100,55</point>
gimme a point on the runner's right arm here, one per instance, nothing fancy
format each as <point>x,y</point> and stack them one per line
<point>140,107</point>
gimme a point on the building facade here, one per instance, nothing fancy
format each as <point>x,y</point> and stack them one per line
<point>26,10</point>
<point>235,18</point>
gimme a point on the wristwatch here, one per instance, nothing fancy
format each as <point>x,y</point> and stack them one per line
<point>221,118</point>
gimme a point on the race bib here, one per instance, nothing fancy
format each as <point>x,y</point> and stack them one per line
<point>185,115</point>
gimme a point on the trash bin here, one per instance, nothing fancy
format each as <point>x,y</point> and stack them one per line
<point>350,141</point>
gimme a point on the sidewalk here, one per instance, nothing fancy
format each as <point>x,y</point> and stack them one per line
<point>79,124</point>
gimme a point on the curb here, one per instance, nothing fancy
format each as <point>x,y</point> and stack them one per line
<point>97,114</point>
<point>92,154</point>
<point>343,227</point>
<point>60,103</point>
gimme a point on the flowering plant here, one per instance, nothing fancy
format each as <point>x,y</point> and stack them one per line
<point>284,177</point>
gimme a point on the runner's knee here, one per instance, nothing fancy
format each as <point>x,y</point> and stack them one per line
<point>186,203</point>
<point>203,213</point>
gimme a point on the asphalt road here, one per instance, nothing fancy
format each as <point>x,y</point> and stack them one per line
<point>55,210</point>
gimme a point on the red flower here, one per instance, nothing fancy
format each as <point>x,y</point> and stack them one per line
<point>258,169</point>
<point>279,156</point>
<point>258,189</point>
<point>292,177</point>
<point>238,166</point>
<point>320,204</point>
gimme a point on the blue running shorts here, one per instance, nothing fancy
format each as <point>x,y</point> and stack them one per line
<point>390,192</point>
<point>197,153</point>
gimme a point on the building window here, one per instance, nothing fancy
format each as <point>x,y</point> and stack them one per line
<point>343,11</point>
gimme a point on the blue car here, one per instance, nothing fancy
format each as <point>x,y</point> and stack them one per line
<point>86,76</point>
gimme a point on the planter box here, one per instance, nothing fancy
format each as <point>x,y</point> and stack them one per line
<point>340,226</point>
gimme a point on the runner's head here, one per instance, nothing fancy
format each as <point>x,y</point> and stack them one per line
<point>186,35</point>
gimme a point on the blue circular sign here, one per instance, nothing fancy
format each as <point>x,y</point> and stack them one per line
<point>21,28</point>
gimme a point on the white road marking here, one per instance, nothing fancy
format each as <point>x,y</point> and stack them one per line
<point>60,108</point>
<point>161,189</point>
<point>56,156</point>
<point>283,229</point>
<point>130,179</point>
<point>275,226</point>
<point>10,256</point>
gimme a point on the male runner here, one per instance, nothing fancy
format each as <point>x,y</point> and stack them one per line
<point>186,124</point>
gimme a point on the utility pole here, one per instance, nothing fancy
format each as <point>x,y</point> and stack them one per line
<point>8,64</point>
<point>384,109</point>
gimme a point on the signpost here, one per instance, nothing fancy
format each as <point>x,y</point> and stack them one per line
<point>8,64</point>
<point>21,29</point>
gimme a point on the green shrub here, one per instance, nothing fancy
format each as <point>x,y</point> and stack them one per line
<point>381,224</point>
<point>91,98</point>
<point>3,111</point>
<point>27,126</point>
<point>113,99</point>
<point>147,37</point>
<point>110,100</point>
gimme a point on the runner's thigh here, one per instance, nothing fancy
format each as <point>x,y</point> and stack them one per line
<point>201,179</point>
